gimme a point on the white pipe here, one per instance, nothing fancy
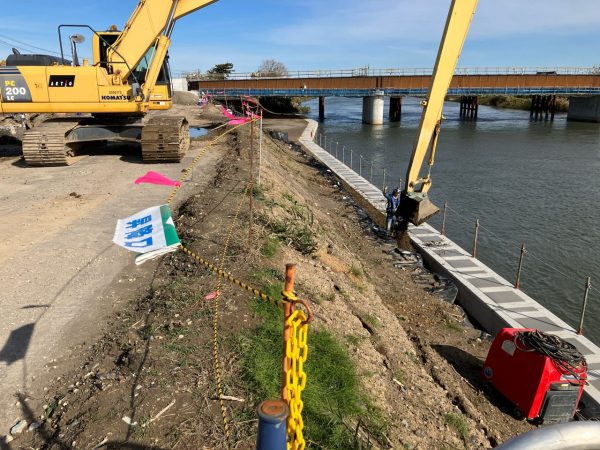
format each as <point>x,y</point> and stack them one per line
<point>562,436</point>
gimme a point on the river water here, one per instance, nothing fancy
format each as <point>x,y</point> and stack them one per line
<point>532,182</point>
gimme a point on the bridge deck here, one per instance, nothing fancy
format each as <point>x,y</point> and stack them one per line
<point>361,86</point>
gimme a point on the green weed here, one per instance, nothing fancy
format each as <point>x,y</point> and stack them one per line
<point>270,248</point>
<point>458,423</point>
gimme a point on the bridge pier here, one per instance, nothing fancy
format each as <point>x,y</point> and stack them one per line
<point>584,109</point>
<point>542,106</point>
<point>395,108</point>
<point>469,106</point>
<point>321,109</point>
<point>373,108</point>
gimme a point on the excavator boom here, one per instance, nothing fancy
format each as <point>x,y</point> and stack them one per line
<point>415,205</point>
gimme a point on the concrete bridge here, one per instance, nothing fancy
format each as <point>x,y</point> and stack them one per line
<point>373,85</point>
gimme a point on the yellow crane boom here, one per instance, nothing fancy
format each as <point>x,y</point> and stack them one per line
<point>415,205</point>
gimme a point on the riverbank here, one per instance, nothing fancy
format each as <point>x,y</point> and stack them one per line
<point>405,347</point>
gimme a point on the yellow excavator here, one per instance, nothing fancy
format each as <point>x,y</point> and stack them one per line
<point>415,206</point>
<point>107,97</point>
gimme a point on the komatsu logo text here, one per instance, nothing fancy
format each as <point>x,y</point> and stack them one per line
<point>116,97</point>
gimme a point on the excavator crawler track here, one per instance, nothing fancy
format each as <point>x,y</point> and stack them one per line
<point>165,139</point>
<point>45,145</point>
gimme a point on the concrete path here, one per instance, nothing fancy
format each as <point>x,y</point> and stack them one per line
<point>60,271</point>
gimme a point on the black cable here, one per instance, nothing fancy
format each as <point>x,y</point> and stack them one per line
<point>565,356</point>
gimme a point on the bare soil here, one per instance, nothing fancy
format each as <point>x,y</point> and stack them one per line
<point>149,382</point>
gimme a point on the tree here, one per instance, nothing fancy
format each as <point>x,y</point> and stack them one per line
<point>272,68</point>
<point>221,71</point>
<point>2,62</point>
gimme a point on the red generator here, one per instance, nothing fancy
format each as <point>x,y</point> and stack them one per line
<point>540,374</point>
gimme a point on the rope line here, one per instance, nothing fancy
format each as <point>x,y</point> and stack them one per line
<point>216,318</point>
<point>188,170</point>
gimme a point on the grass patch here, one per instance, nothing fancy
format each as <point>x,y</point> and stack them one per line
<point>333,400</point>
<point>371,320</point>
<point>147,332</point>
<point>458,423</point>
<point>354,339</point>
<point>356,271</point>
<point>451,325</point>
<point>400,376</point>
<point>182,352</point>
<point>270,248</point>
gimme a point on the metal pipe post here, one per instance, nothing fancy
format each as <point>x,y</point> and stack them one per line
<point>272,418</point>
<point>383,187</point>
<point>325,137</point>
<point>336,149</point>
<point>344,154</point>
<point>360,165</point>
<point>518,280</point>
<point>474,253</point>
<point>351,158</point>
<point>320,135</point>
<point>371,176</point>
<point>588,285</point>
<point>443,232</point>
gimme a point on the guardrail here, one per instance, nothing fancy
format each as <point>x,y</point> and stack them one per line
<point>368,72</point>
<point>567,91</point>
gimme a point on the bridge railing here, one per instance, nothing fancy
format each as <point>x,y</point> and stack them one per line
<point>368,72</point>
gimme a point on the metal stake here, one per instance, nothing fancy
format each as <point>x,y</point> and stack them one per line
<point>588,285</point>
<point>260,148</point>
<point>351,158</point>
<point>371,177</point>
<point>360,165</point>
<point>443,232</point>
<point>474,253</point>
<point>518,280</point>
<point>344,154</point>
<point>325,137</point>
<point>336,149</point>
<point>383,187</point>
<point>320,135</point>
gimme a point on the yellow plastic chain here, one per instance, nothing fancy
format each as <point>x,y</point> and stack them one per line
<point>296,351</point>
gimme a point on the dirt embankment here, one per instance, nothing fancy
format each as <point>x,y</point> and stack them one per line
<point>149,383</point>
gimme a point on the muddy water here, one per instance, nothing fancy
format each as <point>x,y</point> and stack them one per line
<point>527,181</point>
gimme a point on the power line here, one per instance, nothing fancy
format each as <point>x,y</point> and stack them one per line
<point>28,46</point>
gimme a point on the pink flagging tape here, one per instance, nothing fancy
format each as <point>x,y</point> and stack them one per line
<point>227,113</point>
<point>238,121</point>
<point>157,178</point>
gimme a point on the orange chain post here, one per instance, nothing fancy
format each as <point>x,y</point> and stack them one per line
<point>288,290</point>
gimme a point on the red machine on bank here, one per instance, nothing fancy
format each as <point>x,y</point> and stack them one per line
<point>541,375</point>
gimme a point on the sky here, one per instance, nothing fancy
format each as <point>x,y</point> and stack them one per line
<point>333,34</point>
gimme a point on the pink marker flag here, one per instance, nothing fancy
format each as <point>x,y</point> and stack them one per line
<point>212,295</point>
<point>157,178</point>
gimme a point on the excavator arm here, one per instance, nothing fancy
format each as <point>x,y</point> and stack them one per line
<point>151,20</point>
<point>415,205</point>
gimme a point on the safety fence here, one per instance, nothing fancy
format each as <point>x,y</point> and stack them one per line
<point>296,317</point>
<point>498,242</point>
<point>367,168</point>
<point>392,72</point>
<point>378,176</point>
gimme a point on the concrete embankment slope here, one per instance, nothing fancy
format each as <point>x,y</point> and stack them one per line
<point>487,297</point>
